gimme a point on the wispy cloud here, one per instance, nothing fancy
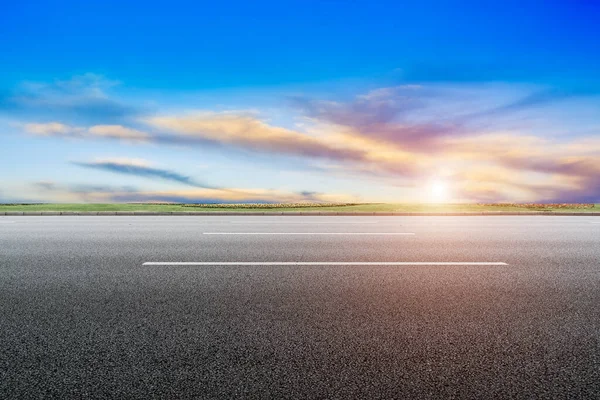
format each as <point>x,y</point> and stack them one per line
<point>82,99</point>
<point>376,107</point>
<point>118,132</point>
<point>142,169</point>
<point>53,129</point>
<point>536,99</point>
<point>385,114</point>
<point>110,194</point>
<point>46,185</point>
<point>97,131</point>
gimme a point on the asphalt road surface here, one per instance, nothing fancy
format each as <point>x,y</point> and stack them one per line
<point>83,316</point>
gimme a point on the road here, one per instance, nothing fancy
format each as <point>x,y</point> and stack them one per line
<point>83,316</point>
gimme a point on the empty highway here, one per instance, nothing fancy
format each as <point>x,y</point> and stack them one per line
<point>255,307</point>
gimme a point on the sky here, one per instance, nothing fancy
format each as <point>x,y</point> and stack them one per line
<point>300,101</point>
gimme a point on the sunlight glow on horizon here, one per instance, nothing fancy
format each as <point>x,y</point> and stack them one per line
<point>439,191</point>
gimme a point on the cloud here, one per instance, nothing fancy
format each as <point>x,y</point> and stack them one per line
<point>118,132</point>
<point>588,192</point>
<point>110,194</point>
<point>46,185</point>
<point>85,188</point>
<point>58,129</point>
<point>577,157</point>
<point>142,169</point>
<point>580,166</point>
<point>52,129</point>
<point>82,99</point>
<point>540,169</point>
<point>206,128</point>
<point>582,171</point>
<point>50,191</point>
<point>493,182</point>
<point>244,131</point>
<point>536,99</point>
<point>379,124</point>
<point>384,114</point>
<point>376,107</point>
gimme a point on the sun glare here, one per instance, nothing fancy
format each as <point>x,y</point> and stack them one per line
<point>439,190</point>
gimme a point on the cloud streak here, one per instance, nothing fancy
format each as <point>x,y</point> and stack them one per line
<point>141,169</point>
<point>83,99</point>
<point>537,99</point>
<point>111,194</point>
<point>384,114</point>
<point>244,131</point>
<point>57,129</point>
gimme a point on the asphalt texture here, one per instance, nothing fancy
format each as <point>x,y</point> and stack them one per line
<point>81,317</point>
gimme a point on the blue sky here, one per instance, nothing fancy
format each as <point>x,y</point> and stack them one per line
<point>300,101</point>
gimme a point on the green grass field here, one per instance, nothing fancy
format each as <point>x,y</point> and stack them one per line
<point>372,207</point>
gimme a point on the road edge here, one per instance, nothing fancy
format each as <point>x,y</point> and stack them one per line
<point>316,213</point>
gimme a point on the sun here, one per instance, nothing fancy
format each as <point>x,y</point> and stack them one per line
<point>439,190</point>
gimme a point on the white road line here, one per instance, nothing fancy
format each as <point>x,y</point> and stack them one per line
<point>7,222</point>
<point>301,223</point>
<point>308,233</point>
<point>284,263</point>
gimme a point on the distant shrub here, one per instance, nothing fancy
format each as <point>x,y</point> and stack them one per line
<point>539,205</point>
<point>271,205</point>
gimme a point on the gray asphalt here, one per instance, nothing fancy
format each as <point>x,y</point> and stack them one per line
<point>81,317</point>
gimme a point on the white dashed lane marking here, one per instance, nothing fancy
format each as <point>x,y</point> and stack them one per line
<point>310,233</point>
<point>325,263</point>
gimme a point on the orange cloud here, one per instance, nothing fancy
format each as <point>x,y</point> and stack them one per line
<point>96,131</point>
<point>248,132</point>
<point>118,132</point>
<point>52,129</point>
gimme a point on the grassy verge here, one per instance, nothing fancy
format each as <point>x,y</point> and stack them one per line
<point>374,207</point>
